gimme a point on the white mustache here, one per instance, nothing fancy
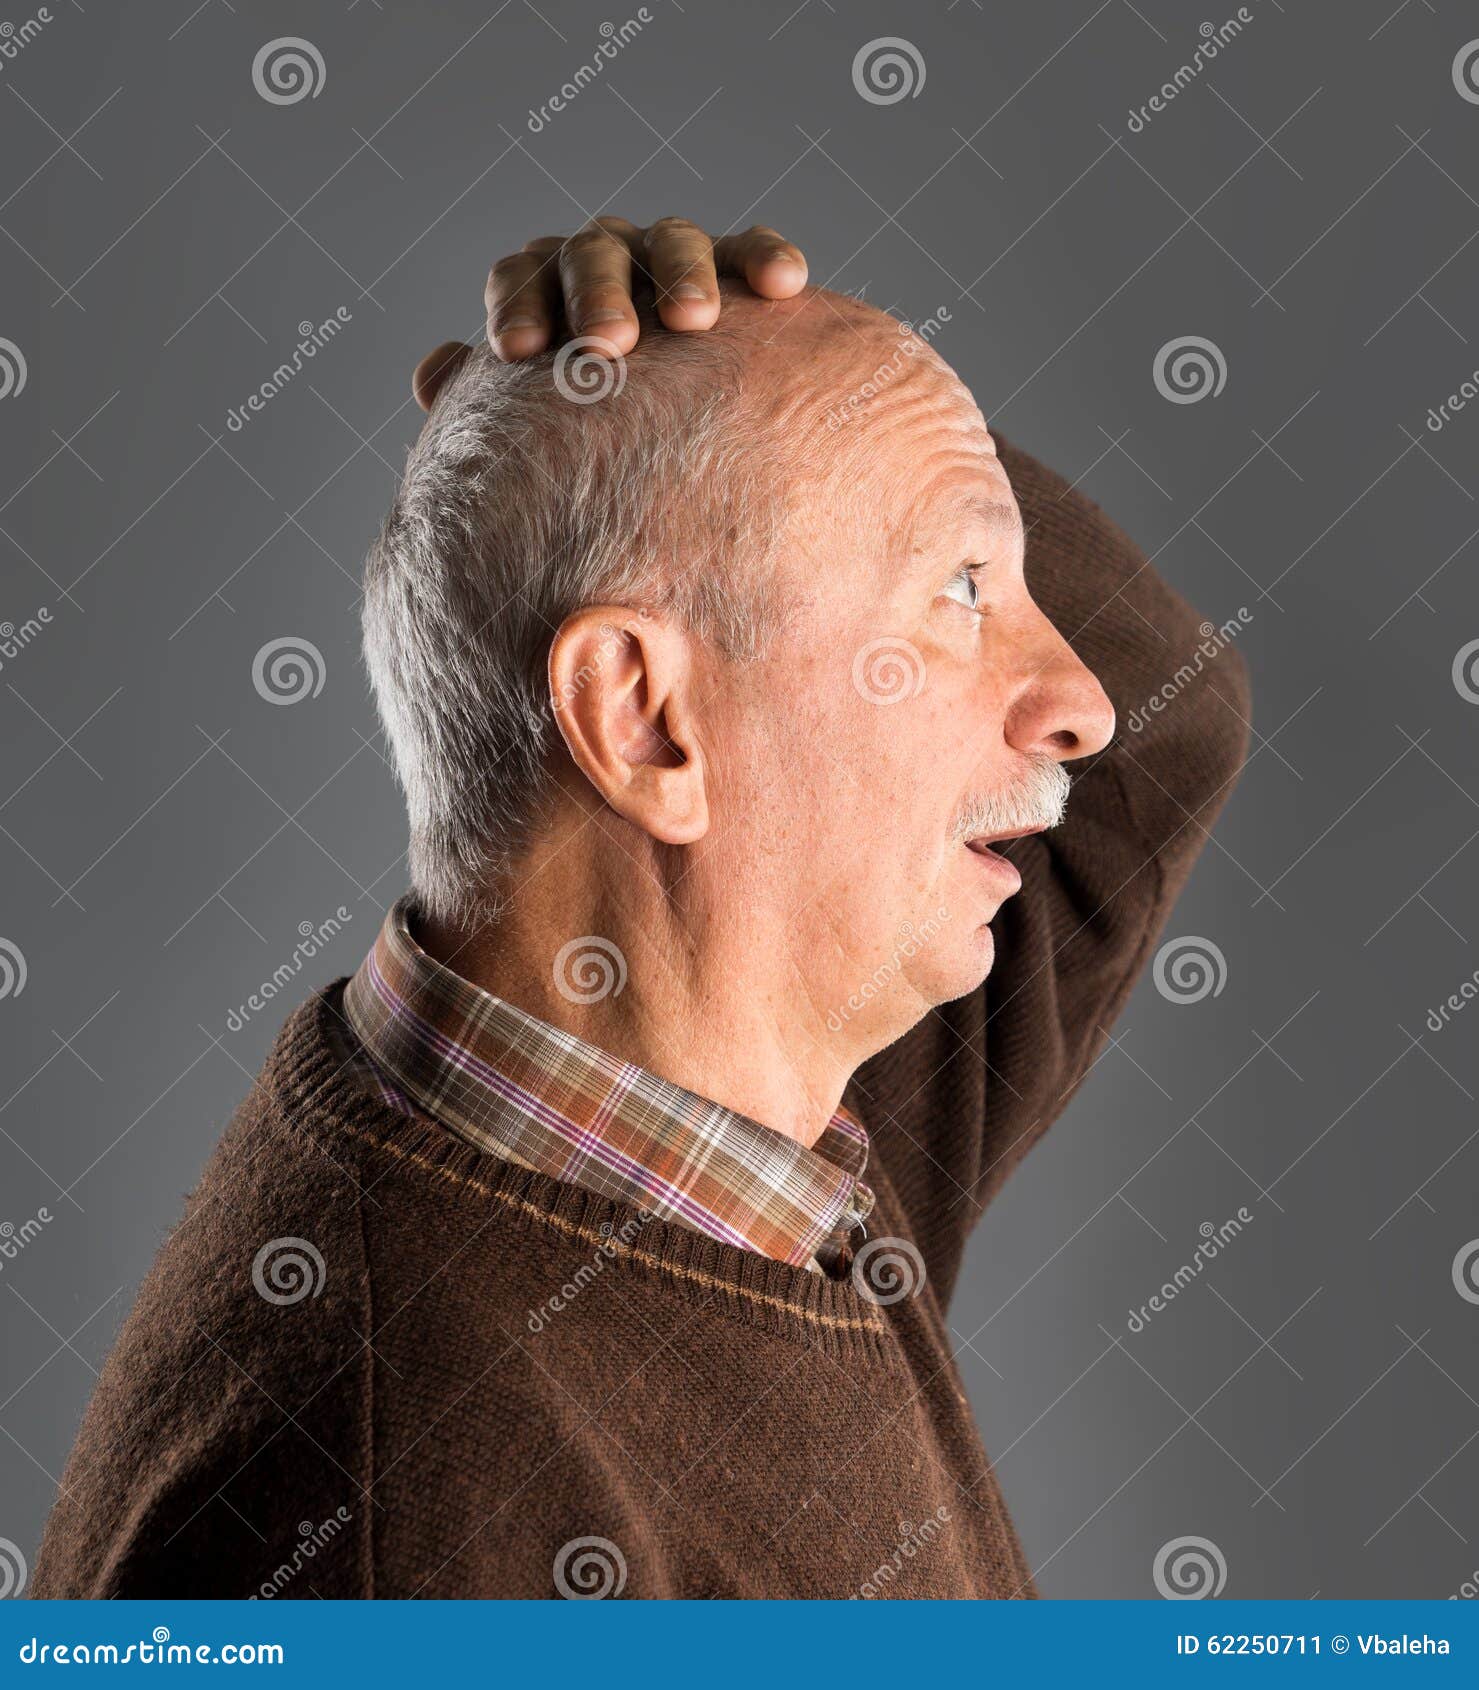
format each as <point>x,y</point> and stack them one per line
<point>1038,798</point>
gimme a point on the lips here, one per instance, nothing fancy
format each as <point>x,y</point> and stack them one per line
<point>983,841</point>
<point>1005,873</point>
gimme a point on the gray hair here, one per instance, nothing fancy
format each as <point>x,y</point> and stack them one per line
<point>525,499</point>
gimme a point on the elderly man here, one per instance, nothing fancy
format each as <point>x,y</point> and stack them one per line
<point>597,1236</point>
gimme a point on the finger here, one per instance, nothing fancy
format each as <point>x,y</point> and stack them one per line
<point>680,258</point>
<point>522,299</point>
<point>596,275</point>
<point>435,370</point>
<point>773,267</point>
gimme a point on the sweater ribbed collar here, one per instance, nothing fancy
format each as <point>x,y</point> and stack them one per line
<point>538,1096</point>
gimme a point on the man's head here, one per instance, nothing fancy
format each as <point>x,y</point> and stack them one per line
<point>729,639</point>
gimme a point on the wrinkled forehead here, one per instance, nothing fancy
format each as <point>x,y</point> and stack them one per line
<point>879,444</point>
<point>906,445</point>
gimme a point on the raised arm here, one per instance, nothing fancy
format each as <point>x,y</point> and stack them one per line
<point>1096,892</point>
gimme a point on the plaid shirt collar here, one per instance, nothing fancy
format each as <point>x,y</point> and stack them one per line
<point>529,1093</point>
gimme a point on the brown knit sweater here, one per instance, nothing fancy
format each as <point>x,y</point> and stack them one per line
<point>489,1365</point>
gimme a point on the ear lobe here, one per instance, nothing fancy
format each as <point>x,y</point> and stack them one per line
<point>619,687</point>
<point>435,370</point>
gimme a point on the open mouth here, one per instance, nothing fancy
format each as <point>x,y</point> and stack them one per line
<point>983,842</point>
<point>1003,872</point>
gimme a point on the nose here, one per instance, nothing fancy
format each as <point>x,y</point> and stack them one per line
<point>1060,709</point>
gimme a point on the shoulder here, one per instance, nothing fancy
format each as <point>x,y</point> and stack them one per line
<point>232,1408</point>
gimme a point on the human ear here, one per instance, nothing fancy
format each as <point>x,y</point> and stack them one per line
<point>621,685</point>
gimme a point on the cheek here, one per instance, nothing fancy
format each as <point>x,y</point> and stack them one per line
<point>855,758</point>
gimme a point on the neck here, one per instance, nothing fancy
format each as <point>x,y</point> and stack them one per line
<point>649,971</point>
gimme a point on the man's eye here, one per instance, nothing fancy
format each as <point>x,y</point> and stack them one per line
<point>963,589</point>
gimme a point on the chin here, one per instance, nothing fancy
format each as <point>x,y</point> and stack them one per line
<point>965,971</point>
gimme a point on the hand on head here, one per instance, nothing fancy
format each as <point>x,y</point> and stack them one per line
<point>589,284</point>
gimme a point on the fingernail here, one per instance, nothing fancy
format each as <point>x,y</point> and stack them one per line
<point>609,315</point>
<point>520,322</point>
<point>688,290</point>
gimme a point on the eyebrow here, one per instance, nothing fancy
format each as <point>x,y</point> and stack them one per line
<point>991,513</point>
<point>999,516</point>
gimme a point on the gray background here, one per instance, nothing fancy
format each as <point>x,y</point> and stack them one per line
<point>1310,204</point>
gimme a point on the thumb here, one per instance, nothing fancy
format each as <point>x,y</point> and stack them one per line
<point>435,369</point>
